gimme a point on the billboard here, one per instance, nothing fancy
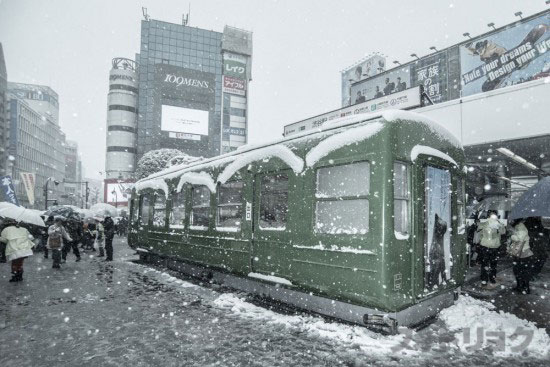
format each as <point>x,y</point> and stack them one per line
<point>8,190</point>
<point>234,85</point>
<point>513,55</point>
<point>29,180</point>
<point>184,120</point>
<point>436,75</point>
<point>365,69</point>
<point>118,193</point>
<point>393,81</point>
<point>401,100</point>
<point>234,68</point>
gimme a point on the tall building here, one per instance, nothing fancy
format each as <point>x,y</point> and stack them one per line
<point>121,119</point>
<point>4,122</point>
<point>73,165</point>
<point>36,142</point>
<point>192,88</point>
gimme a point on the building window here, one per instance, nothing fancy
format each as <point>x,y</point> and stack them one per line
<point>229,213</point>
<point>177,215</point>
<point>144,209</point>
<point>401,197</point>
<point>200,208</point>
<point>342,202</point>
<point>274,202</point>
<point>159,211</point>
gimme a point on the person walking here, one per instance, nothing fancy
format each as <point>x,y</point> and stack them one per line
<point>74,228</point>
<point>109,227</point>
<point>19,246</point>
<point>48,223</point>
<point>99,237</point>
<point>88,236</point>
<point>56,237</point>
<point>490,233</point>
<point>521,253</point>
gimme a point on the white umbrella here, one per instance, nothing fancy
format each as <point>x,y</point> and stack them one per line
<point>22,214</point>
<point>102,209</point>
<point>86,213</point>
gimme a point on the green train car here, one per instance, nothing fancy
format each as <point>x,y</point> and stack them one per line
<point>362,220</point>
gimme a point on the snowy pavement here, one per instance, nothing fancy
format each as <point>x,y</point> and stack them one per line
<point>94,313</point>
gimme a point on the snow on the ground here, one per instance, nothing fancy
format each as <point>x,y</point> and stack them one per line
<point>501,332</point>
<point>354,336</point>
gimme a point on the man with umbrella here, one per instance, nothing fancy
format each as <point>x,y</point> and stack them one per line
<point>74,227</point>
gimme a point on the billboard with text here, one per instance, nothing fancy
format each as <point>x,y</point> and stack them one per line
<point>516,54</point>
<point>372,66</point>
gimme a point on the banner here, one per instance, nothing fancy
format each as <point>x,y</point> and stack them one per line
<point>402,100</point>
<point>28,180</point>
<point>234,68</point>
<point>370,67</point>
<point>511,56</point>
<point>8,190</point>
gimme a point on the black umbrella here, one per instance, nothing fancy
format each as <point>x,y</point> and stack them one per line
<point>535,202</point>
<point>63,211</point>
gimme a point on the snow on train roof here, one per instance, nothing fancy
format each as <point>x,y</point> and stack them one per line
<point>275,148</point>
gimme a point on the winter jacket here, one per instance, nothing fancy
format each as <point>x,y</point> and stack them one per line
<point>100,233</point>
<point>521,238</point>
<point>57,232</point>
<point>490,232</point>
<point>109,227</point>
<point>18,242</point>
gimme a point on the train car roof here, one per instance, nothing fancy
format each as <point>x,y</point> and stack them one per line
<point>332,136</point>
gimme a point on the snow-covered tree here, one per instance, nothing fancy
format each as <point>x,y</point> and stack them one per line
<point>155,161</point>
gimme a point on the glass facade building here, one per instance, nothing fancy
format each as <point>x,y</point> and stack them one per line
<point>4,122</point>
<point>192,86</point>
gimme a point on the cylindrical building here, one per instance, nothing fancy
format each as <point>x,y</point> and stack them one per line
<point>121,119</point>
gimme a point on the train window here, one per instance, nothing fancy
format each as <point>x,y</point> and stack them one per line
<point>273,202</point>
<point>230,204</point>
<point>200,207</point>
<point>177,214</point>
<point>134,210</point>
<point>159,211</point>
<point>342,203</point>
<point>401,197</point>
<point>145,209</point>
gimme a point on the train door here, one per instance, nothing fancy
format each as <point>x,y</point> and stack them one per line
<point>437,227</point>
<point>270,244</point>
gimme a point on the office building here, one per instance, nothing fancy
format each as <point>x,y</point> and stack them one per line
<point>37,143</point>
<point>4,122</point>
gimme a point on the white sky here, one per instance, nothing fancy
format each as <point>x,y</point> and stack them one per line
<point>299,49</point>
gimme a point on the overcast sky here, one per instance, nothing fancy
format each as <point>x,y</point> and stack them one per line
<point>300,47</point>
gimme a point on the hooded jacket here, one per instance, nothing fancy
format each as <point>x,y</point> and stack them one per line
<point>18,242</point>
<point>521,237</point>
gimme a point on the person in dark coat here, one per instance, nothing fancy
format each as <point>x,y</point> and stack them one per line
<point>538,243</point>
<point>109,228</point>
<point>74,228</point>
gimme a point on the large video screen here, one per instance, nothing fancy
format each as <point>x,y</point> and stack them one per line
<point>184,120</point>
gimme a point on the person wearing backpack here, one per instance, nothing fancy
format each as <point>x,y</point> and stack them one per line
<point>522,254</point>
<point>56,235</point>
<point>490,233</point>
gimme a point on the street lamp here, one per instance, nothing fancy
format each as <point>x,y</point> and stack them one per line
<point>415,55</point>
<point>491,25</point>
<point>433,48</point>
<point>467,34</point>
<point>396,62</point>
<point>116,198</point>
<point>518,14</point>
<point>46,191</point>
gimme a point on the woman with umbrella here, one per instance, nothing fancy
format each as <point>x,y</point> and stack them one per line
<point>19,246</point>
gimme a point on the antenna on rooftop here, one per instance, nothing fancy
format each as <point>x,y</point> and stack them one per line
<point>144,11</point>
<point>185,17</point>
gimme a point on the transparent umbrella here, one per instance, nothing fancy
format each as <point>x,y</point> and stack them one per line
<point>102,209</point>
<point>22,214</point>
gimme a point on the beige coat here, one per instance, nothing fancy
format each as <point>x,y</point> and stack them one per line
<point>18,242</point>
<point>490,232</point>
<point>521,236</point>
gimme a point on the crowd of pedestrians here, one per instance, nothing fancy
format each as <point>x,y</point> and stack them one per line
<point>58,239</point>
<point>525,240</point>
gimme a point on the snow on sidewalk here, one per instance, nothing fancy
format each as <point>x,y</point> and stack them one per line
<point>478,326</point>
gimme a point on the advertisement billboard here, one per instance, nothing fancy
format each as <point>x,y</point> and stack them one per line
<point>408,98</point>
<point>234,85</point>
<point>370,67</point>
<point>393,81</point>
<point>184,120</point>
<point>432,73</point>
<point>513,55</point>
<point>8,191</point>
<point>234,68</point>
<point>29,180</point>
